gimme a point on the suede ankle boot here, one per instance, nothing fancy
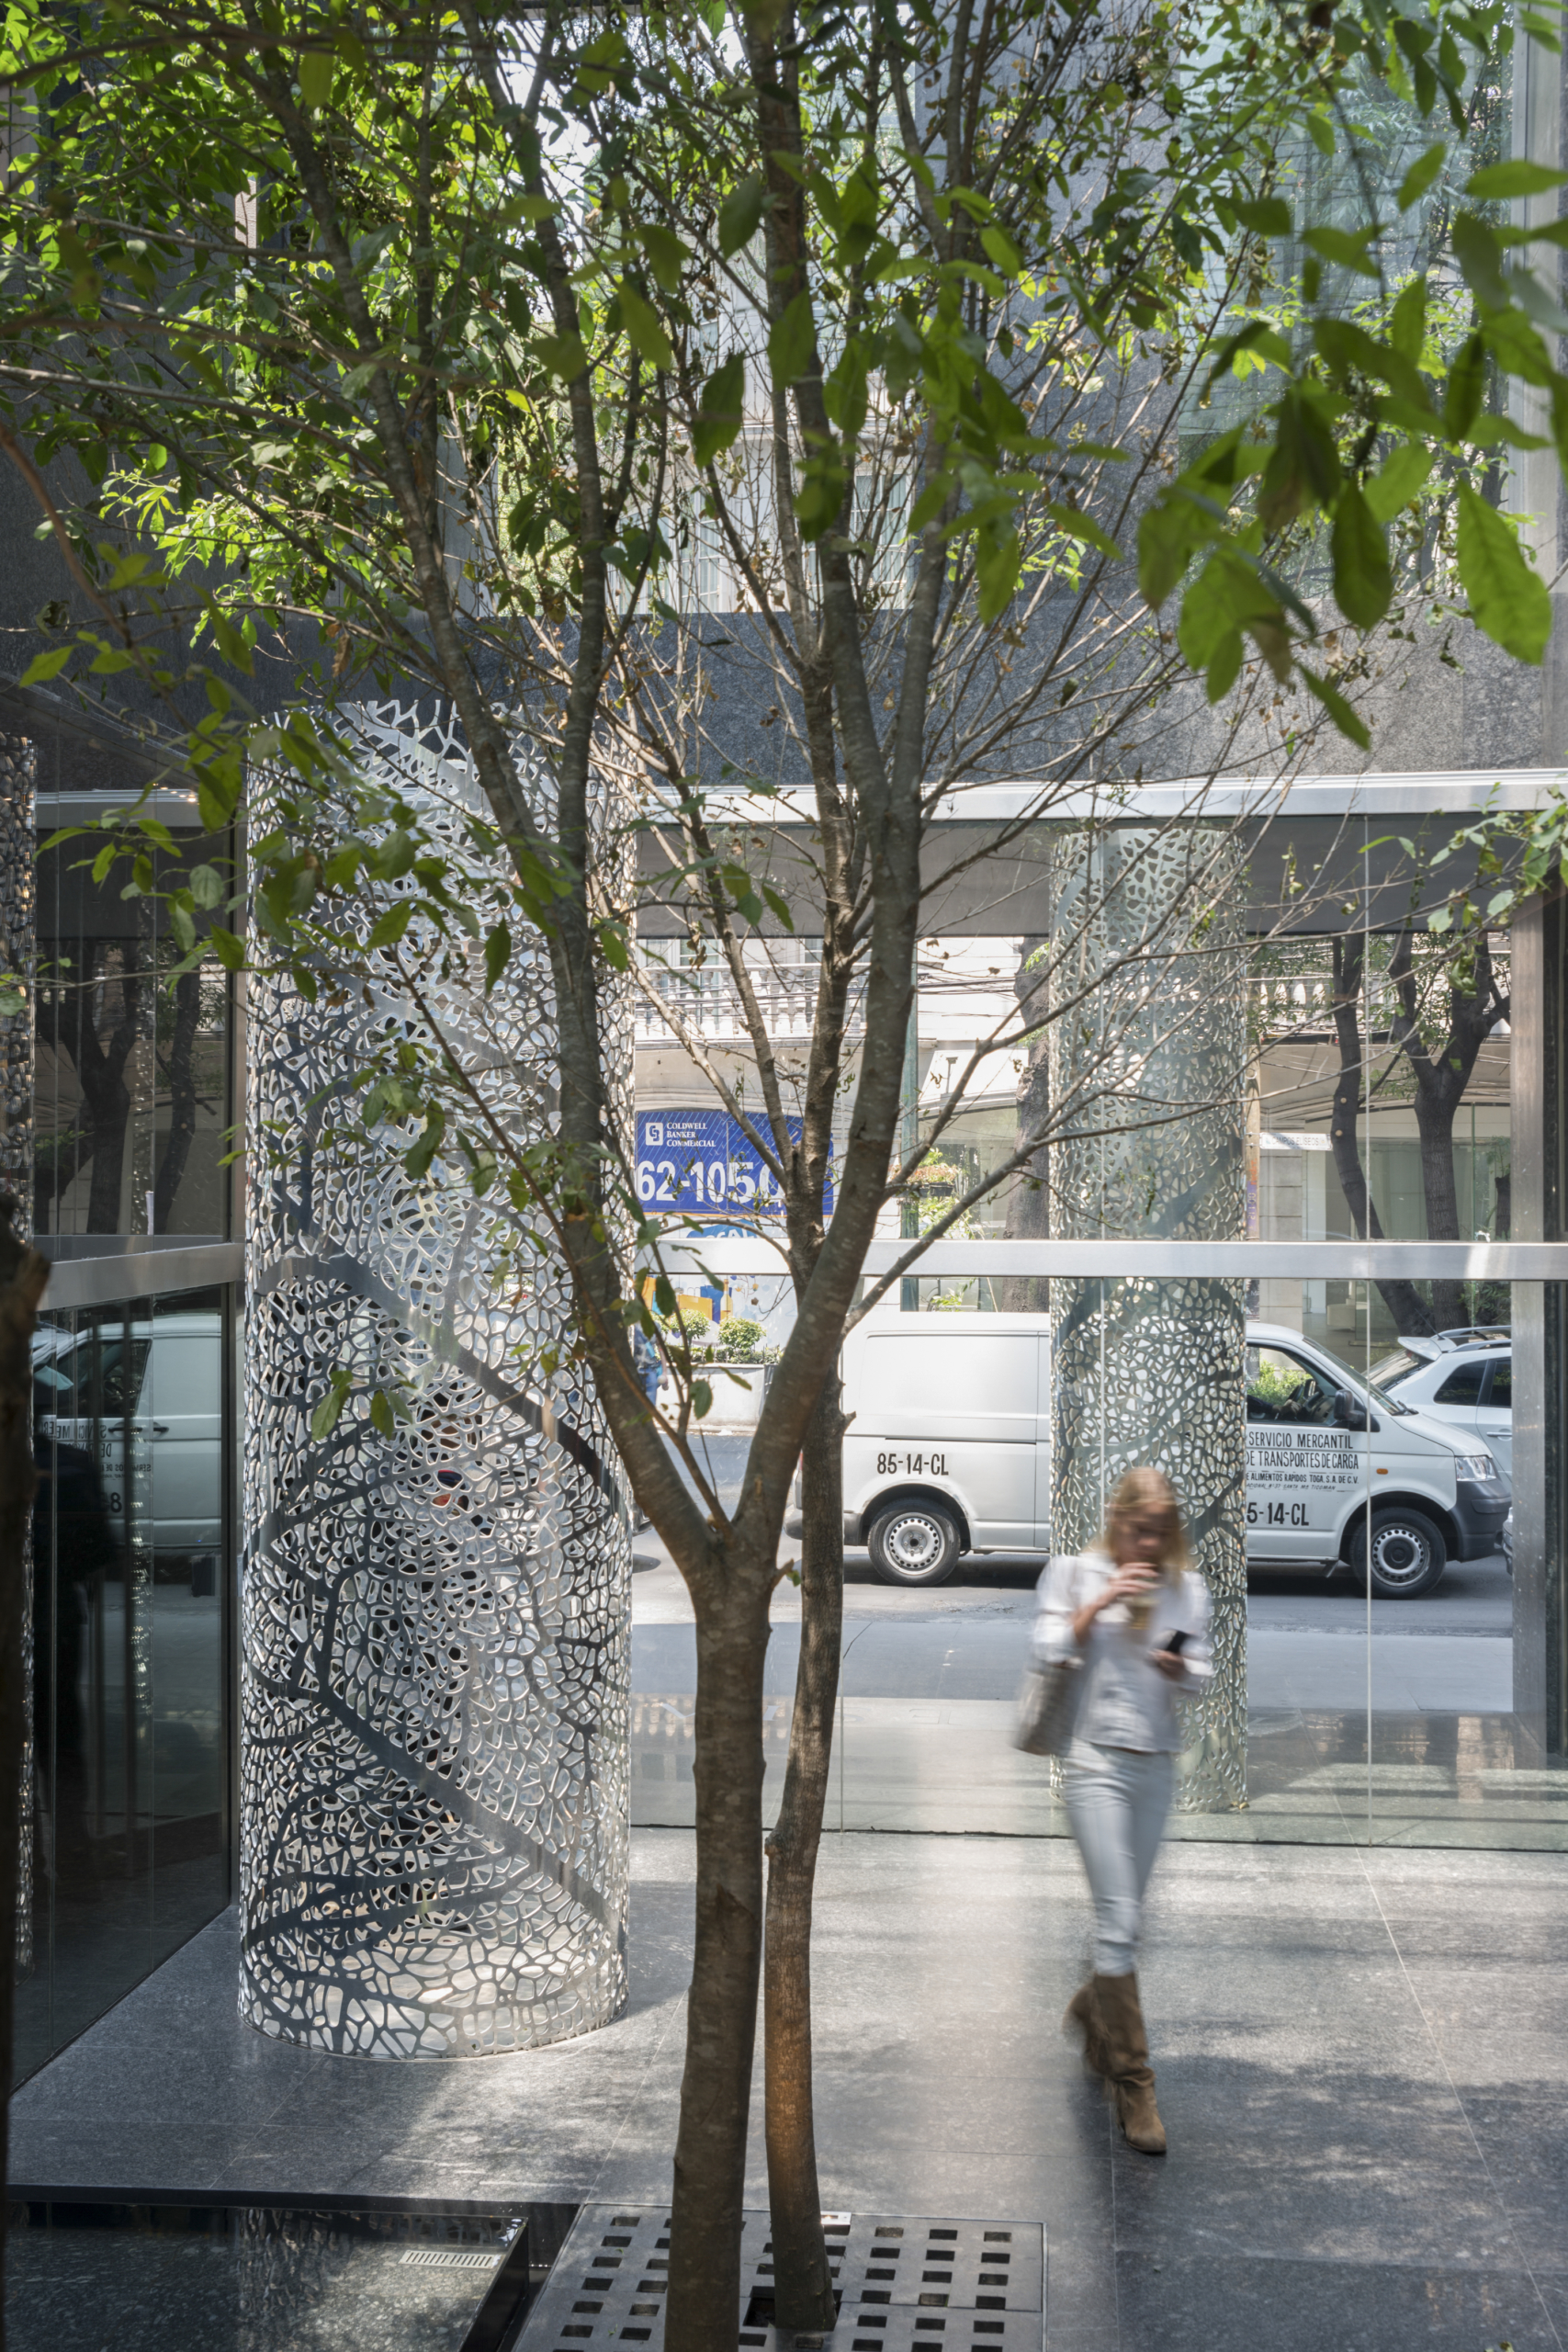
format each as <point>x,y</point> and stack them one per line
<point>1131,2076</point>
<point>1083,2017</point>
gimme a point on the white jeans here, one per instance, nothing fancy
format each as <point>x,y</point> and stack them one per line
<point>1117,1807</point>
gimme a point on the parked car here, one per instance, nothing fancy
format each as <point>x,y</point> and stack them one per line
<point>949,1451</point>
<point>1465,1378</point>
<point>145,1399</point>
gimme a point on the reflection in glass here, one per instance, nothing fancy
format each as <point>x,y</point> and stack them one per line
<point>128,1651</point>
<point>133,1085</point>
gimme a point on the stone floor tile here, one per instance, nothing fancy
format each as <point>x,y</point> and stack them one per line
<point>1196,2303</point>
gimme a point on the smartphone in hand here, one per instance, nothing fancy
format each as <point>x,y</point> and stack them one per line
<point>1174,1643</point>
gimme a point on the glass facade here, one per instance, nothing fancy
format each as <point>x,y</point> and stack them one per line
<point>134,1410</point>
<point>1404,1662</point>
<point>132,1542</point>
<point>134,1078</point>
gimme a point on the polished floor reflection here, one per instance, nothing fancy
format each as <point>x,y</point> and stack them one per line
<point>253,2278</point>
<point>924,1733</point>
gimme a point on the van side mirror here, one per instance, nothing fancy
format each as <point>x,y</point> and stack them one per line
<point>1349,1415</point>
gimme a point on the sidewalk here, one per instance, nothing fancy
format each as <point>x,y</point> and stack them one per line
<point>1363,2062</point>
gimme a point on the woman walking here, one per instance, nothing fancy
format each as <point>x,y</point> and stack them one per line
<point>1133,1611</point>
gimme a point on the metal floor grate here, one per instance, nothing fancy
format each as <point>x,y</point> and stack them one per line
<point>908,2283</point>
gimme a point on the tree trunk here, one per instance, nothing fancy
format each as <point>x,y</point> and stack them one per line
<point>721,2008</point>
<point>1403,1301</point>
<point>1435,1124</point>
<point>66,1021</point>
<point>803,2284</point>
<point>23,1274</point>
<point>182,1098</point>
<point>1440,1082</point>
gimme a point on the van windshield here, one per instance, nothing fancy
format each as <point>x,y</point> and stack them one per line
<point>1360,1385</point>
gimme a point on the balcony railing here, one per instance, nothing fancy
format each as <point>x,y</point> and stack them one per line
<point>707,1003</point>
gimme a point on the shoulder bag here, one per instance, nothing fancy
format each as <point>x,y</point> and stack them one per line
<point>1048,1706</point>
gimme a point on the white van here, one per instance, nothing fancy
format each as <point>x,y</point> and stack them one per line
<point>156,1384</point>
<point>949,1451</point>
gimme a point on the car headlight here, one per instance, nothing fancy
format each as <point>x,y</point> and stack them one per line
<point>1476,1469</point>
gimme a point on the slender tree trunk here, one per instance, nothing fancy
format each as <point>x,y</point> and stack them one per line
<point>1473,1012</point>
<point>721,2010</point>
<point>22,1277</point>
<point>1403,1301</point>
<point>182,1098</point>
<point>803,2284</point>
<point>1434,1111</point>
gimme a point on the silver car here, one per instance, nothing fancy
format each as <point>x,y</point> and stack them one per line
<point>1464,1376</point>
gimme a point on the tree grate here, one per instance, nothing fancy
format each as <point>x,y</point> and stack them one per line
<point>906,2283</point>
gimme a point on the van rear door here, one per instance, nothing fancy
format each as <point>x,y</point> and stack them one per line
<point>957,1410</point>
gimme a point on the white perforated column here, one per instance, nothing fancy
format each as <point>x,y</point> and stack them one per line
<point>434,1623</point>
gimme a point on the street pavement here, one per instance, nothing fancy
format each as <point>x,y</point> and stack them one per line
<point>1311,1642</point>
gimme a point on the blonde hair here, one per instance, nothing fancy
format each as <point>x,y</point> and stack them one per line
<point>1145,1493</point>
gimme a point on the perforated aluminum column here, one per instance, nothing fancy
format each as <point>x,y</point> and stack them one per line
<point>1150,1062</point>
<point>434,1623</point>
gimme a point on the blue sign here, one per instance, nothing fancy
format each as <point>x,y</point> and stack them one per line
<point>701,1162</point>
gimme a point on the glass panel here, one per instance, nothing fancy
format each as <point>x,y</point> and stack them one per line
<point>133,1068</point>
<point>130,1677</point>
<point>182,1411</point>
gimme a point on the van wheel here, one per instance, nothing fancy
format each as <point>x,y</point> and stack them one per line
<point>913,1544</point>
<point>1408,1554</point>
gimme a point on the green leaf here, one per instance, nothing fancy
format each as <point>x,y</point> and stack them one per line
<point>998,558</point>
<point>1363,582</point>
<point>498,947</point>
<point>1480,256</point>
<point>642,323</point>
<point>1467,388</point>
<point>318,68</point>
<point>1420,176</point>
<point>389,928</point>
<point>1348,251</point>
<point>1508,596</point>
<point>381,1414</point>
<point>44,666</point>
<point>1265,216</point>
<point>1403,475</point>
<point>719,411</point>
<point>1321,134</point>
<point>230,951</point>
<point>666,254</point>
<point>325,1417</point>
<point>664,1295</point>
<point>207,886</point>
<point>792,338</point>
<point>1498,183</point>
<point>418,1158</point>
<point>1339,709</point>
<point>739,214</point>
<point>702,1399</point>
<point>1226,594</point>
<point>563,355</point>
<point>1081,527</point>
<point>1407,327</point>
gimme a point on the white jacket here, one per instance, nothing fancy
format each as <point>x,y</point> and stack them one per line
<point>1126,1702</point>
